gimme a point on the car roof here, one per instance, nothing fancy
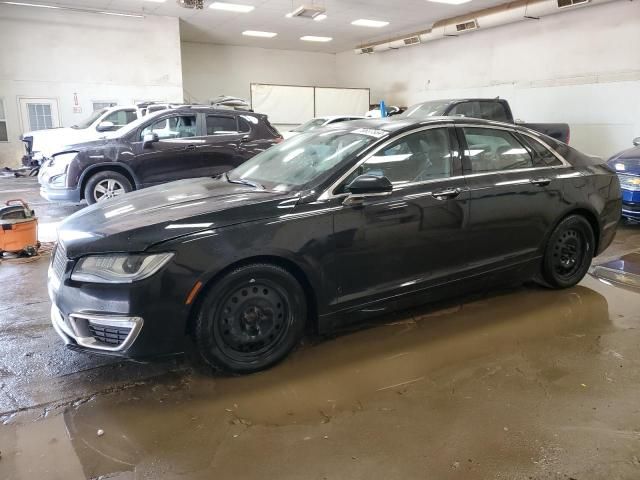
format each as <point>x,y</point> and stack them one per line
<point>210,109</point>
<point>397,124</point>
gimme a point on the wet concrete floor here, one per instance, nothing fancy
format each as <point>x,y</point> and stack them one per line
<point>524,383</point>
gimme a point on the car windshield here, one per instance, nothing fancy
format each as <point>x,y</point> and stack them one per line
<point>304,159</point>
<point>130,127</point>
<point>426,109</point>
<point>310,125</point>
<point>89,121</point>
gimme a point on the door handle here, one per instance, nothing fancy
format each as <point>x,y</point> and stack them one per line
<point>542,182</point>
<point>190,147</point>
<point>446,193</point>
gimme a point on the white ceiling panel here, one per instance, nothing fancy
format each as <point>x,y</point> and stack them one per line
<point>216,26</point>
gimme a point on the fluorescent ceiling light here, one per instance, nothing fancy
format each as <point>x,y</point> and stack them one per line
<point>116,14</point>
<point>363,22</point>
<point>232,7</point>
<point>257,33</point>
<point>156,1</point>
<point>311,38</point>
<point>21,4</point>
<point>450,2</point>
<point>319,18</point>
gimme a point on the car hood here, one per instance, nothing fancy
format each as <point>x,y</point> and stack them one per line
<point>627,161</point>
<point>138,220</point>
<point>55,140</point>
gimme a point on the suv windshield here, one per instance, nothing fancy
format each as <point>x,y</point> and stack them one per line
<point>310,125</point>
<point>92,118</point>
<point>303,159</point>
<point>426,109</point>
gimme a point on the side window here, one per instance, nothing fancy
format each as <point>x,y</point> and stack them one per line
<point>243,125</point>
<point>218,125</point>
<point>120,118</point>
<point>180,126</point>
<point>542,156</point>
<point>421,156</point>
<point>493,111</point>
<point>490,150</point>
<point>466,109</point>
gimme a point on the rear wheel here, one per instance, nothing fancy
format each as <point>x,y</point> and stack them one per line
<point>250,319</point>
<point>568,253</point>
<point>105,185</point>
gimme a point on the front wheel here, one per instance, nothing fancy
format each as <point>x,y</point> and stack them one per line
<point>105,185</point>
<point>250,319</point>
<point>568,253</point>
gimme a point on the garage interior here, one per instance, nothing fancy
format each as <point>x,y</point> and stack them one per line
<point>519,382</point>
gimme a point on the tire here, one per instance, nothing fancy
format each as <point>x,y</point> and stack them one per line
<point>568,253</point>
<point>250,319</point>
<point>105,185</point>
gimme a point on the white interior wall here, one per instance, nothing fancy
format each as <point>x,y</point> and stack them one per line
<point>581,67</point>
<point>211,70</point>
<point>49,53</point>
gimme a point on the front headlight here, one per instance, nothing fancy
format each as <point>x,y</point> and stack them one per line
<point>119,267</point>
<point>60,163</point>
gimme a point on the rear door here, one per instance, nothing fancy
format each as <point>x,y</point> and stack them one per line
<point>412,238</point>
<point>515,195</point>
<point>175,156</point>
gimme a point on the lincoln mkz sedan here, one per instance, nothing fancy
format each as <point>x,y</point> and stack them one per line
<point>326,228</point>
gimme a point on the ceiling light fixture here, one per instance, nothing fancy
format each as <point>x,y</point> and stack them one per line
<point>363,22</point>
<point>116,14</point>
<point>22,4</point>
<point>312,38</point>
<point>450,2</point>
<point>156,1</point>
<point>232,7</point>
<point>257,33</point>
<point>319,18</point>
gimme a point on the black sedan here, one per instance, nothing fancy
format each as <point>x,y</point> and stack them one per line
<point>326,228</point>
<point>173,144</point>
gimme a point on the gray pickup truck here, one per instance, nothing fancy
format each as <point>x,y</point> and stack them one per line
<point>496,109</point>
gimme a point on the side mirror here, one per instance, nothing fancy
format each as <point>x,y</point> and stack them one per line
<point>367,186</point>
<point>105,127</point>
<point>636,142</point>
<point>149,139</point>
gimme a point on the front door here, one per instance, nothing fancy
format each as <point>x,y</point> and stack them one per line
<point>515,196</point>
<point>174,156</point>
<point>38,113</point>
<point>412,238</point>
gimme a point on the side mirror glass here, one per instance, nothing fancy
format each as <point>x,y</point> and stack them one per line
<point>105,126</point>
<point>636,142</point>
<point>149,139</point>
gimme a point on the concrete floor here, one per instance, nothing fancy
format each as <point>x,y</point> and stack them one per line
<point>525,383</point>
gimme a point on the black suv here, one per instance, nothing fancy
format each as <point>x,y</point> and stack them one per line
<point>173,144</point>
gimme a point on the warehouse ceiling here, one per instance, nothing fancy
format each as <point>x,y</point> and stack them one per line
<point>226,27</point>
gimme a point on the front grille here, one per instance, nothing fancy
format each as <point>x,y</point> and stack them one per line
<point>631,207</point>
<point>109,335</point>
<point>59,262</point>
<point>629,182</point>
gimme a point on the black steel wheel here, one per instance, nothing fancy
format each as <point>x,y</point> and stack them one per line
<point>568,252</point>
<point>250,319</point>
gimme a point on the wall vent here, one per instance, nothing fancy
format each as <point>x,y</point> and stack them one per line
<point>196,4</point>
<point>570,3</point>
<point>411,40</point>
<point>366,50</point>
<point>468,25</point>
<point>308,11</point>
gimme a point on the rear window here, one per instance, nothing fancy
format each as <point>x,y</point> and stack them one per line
<point>219,125</point>
<point>270,128</point>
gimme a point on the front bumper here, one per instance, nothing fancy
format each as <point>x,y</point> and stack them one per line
<point>61,194</point>
<point>630,203</point>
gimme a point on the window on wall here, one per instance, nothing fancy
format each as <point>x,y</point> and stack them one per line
<point>40,117</point>
<point>3,123</point>
<point>101,105</point>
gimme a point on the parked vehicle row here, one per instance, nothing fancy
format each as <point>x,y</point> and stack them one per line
<point>328,227</point>
<point>172,144</point>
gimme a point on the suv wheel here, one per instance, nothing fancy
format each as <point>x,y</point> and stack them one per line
<point>568,253</point>
<point>105,185</point>
<point>250,319</point>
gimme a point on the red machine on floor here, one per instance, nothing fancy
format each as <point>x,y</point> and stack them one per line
<point>18,229</point>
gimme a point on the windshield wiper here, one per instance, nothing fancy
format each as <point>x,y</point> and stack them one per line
<point>242,181</point>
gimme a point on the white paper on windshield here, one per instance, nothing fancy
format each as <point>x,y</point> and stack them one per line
<point>371,132</point>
